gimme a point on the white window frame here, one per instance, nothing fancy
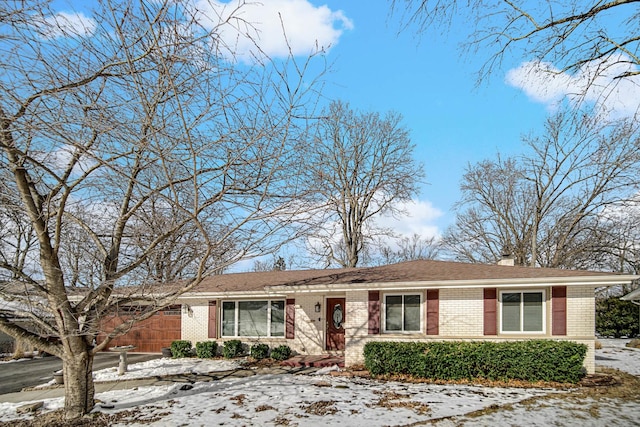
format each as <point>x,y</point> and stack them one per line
<point>544,311</point>
<point>384,312</point>
<point>236,315</point>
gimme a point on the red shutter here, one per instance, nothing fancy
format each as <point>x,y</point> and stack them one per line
<point>291,319</point>
<point>213,327</point>
<point>433,312</point>
<point>374,312</point>
<point>559,310</point>
<point>490,311</point>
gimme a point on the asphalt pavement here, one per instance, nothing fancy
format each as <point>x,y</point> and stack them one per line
<point>56,391</point>
<point>15,376</point>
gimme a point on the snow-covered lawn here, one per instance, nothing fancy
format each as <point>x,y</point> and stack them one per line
<point>614,354</point>
<point>161,368</point>
<point>313,400</point>
<point>316,400</point>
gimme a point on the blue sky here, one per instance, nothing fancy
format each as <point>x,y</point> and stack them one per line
<point>433,85</point>
<point>427,78</point>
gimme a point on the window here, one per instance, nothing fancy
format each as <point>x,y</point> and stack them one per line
<point>402,313</point>
<point>173,310</point>
<point>522,311</point>
<point>253,318</point>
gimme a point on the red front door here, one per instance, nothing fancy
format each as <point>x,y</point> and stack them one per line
<point>335,323</point>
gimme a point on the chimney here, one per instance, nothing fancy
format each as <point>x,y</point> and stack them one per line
<point>507,260</point>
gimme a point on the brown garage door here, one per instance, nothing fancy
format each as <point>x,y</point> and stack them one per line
<point>150,335</point>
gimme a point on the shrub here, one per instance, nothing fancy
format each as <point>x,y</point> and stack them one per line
<point>535,360</point>
<point>616,318</point>
<point>181,348</point>
<point>259,351</point>
<point>282,352</point>
<point>206,349</point>
<point>231,349</point>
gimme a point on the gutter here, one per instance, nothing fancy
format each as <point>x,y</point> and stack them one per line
<point>595,281</point>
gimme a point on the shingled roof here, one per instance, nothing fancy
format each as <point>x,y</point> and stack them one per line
<point>411,271</point>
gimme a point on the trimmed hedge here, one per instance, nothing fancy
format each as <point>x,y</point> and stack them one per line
<point>206,349</point>
<point>534,360</point>
<point>181,348</point>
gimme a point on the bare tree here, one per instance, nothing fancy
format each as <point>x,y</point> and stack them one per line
<point>572,34</point>
<point>276,264</point>
<point>547,208</point>
<point>620,227</point>
<point>361,166</point>
<point>134,151</point>
<point>409,248</point>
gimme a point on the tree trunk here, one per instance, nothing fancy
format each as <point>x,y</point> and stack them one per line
<point>78,381</point>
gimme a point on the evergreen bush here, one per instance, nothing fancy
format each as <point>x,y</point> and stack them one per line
<point>534,360</point>
<point>181,348</point>
<point>206,349</point>
<point>231,349</point>
<point>260,351</point>
<point>616,318</point>
<point>282,352</point>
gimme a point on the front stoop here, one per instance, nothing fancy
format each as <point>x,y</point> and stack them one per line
<point>314,361</point>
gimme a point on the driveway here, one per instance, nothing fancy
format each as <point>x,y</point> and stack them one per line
<point>15,376</point>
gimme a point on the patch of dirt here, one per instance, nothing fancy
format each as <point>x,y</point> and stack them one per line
<point>281,421</point>
<point>391,399</point>
<point>239,399</point>
<point>612,384</point>
<point>598,380</point>
<point>634,343</point>
<point>476,382</point>
<point>490,410</point>
<point>322,384</point>
<point>350,374</point>
<point>322,407</point>
<point>261,363</point>
<point>263,408</point>
<point>98,419</point>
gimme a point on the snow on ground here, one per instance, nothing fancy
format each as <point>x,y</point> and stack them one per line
<point>614,354</point>
<point>320,400</point>
<point>311,400</point>
<point>166,366</point>
<point>159,368</point>
<point>555,412</point>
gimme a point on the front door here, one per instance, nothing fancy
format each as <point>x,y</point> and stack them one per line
<point>335,323</point>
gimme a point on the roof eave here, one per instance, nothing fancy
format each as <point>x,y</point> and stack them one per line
<point>632,296</point>
<point>230,295</point>
<point>595,281</point>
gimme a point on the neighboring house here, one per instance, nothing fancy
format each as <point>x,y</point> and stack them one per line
<point>17,308</point>
<point>633,296</point>
<point>340,310</point>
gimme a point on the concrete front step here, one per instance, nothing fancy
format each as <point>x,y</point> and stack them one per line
<point>315,361</point>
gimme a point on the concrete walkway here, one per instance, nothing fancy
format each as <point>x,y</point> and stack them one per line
<point>52,392</point>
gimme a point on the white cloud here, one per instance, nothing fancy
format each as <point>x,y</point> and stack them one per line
<point>419,219</point>
<point>595,83</point>
<point>65,24</point>
<point>307,28</point>
<point>59,158</point>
